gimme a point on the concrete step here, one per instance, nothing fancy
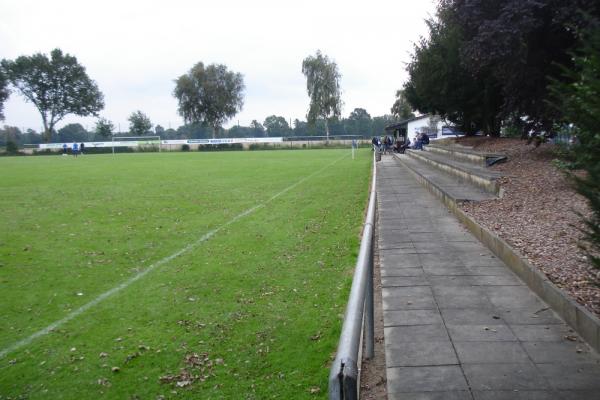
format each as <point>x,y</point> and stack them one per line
<point>454,187</point>
<point>466,171</point>
<point>464,153</point>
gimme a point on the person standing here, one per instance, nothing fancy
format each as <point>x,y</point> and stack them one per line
<point>64,149</point>
<point>75,149</point>
<point>81,147</point>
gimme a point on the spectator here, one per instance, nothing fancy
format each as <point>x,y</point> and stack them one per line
<point>75,149</point>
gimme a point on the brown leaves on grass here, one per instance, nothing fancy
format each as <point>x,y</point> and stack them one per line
<point>198,368</point>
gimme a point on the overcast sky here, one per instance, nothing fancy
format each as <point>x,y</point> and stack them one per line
<point>135,49</point>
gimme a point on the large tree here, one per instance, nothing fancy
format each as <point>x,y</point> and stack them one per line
<point>276,126</point>
<point>104,128</point>
<point>210,95</point>
<point>4,93</point>
<point>323,86</point>
<point>57,86</point>
<point>401,108</point>
<point>440,84</point>
<point>358,122</point>
<point>139,123</point>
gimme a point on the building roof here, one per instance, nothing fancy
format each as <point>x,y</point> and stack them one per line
<point>404,124</point>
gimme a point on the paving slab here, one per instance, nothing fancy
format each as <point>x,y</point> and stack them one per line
<point>458,324</point>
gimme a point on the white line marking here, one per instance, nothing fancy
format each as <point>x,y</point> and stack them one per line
<point>107,294</point>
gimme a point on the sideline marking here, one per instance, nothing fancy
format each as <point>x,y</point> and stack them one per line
<point>152,267</point>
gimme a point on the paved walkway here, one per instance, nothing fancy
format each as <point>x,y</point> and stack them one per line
<point>458,323</point>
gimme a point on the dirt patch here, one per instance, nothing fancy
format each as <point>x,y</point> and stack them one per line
<point>539,215</point>
<point>373,380</point>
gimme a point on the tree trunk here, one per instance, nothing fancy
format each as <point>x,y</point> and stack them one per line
<point>47,134</point>
<point>215,129</point>
<point>327,130</point>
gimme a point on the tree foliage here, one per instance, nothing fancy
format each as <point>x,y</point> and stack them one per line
<point>578,98</point>
<point>139,124</point>
<point>4,92</point>
<point>276,126</point>
<point>323,87</point>
<point>358,122</point>
<point>486,63</point>
<point>56,86</point>
<point>104,128</point>
<point>401,108</point>
<point>210,95</point>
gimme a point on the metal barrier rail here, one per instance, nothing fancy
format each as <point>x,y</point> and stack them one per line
<point>344,375</point>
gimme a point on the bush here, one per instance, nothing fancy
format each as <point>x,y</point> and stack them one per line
<point>185,147</point>
<point>579,100</point>
<point>11,147</point>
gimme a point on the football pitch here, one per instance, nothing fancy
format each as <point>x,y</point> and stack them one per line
<point>176,275</point>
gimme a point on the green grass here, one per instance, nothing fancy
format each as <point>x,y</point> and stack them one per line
<point>260,301</point>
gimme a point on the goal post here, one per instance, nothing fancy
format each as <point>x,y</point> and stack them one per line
<point>141,142</point>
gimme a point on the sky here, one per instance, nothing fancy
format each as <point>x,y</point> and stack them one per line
<point>134,50</point>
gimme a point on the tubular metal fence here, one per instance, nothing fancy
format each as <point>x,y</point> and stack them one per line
<point>359,317</point>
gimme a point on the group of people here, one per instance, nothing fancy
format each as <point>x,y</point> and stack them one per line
<point>76,149</point>
<point>385,144</point>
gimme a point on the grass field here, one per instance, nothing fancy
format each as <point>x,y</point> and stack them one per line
<point>232,273</point>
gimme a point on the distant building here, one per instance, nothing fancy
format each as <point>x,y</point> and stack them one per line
<point>433,125</point>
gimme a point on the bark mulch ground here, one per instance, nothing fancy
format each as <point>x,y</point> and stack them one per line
<point>540,215</point>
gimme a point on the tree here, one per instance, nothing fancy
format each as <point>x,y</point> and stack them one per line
<point>578,98</point>
<point>358,122</point>
<point>4,93</point>
<point>57,86</point>
<point>401,108</point>
<point>104,128</point>
<point>139,124</point>
<point>276,126</point>
<point>72,133</point>
<point>210,95</point>
<point>323,86</point>
<point>257,129</point>
<point>440,84</point>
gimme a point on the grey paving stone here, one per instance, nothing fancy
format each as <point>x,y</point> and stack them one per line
<point>404,281</point>
<point>495,280</point>
<point>489,271</point>
<point>516,395</point>
<point>471,316</point>
<point>459,297</point>
<point>529,316</point>
<point>450,395</point>
<point>454,280</point>
<point>543,333</point>
<point>560,352</point>
<point>412,317</point>
<point>480,333</point>
<point>411,354</point>
<point>389,259</point>
<point>490,352</point>
<point>446,270</point>
<point>440,260</point>
<point>414,334</point>
<point>425,379</point>
<point>481,261</point>
<point>513,297</point>
<point>578,394</point>
<point>572,377</point>
<point>391,272</point>
<point>408,298</point>
<point>509,376</point>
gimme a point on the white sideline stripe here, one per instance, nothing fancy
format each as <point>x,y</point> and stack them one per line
<point>116,289</point>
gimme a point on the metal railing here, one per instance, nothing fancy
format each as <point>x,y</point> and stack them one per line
<point>344,375</point>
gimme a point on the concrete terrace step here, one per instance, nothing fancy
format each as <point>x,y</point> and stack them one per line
<point>454,187</point>
<point>465,171</point>
<point>463,153</point>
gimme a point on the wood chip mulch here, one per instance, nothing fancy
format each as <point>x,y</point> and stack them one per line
<point>539,215</point>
